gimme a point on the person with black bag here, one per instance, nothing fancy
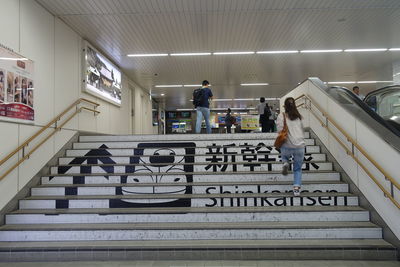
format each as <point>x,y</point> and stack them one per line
<point>201,96</point>
<point>294,144</point>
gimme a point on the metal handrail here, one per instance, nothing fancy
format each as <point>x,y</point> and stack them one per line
<point>387,194</point>
<point>47,126</point>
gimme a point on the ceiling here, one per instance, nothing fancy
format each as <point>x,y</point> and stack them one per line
<point>121,27</point>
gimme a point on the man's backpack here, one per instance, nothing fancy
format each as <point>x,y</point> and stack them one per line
<point>267,112</point>
<point>198,96</point>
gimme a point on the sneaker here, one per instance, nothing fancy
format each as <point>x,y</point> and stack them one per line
<point>285,168</point>
<point>296,192</point>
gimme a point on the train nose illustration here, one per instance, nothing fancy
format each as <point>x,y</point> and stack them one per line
<point>160,169</point>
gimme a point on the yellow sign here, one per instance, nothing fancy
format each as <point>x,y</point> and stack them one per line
<point>250,122</point>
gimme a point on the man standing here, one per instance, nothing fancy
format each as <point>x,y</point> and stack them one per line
<point>201,97</point>
<point>356,91</point>
<point>263,108</point>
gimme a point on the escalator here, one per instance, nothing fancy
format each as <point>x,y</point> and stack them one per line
<point>380,109</point>
<point>386,103</point>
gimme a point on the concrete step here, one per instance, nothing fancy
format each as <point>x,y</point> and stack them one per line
<point>198,151</point>
<point>162,188</point>
<point>186,145</point>
<point>158,157</point>
<point>209,214</point>
<point>171,177</point>
<point>190,250</point>
<point>194,231</point>
<point>179,137</point>
<point>183,168</point>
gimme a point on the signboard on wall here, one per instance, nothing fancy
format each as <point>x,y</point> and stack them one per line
<point>16,87</point>
<point>250,122</point>
<point>102,78</point>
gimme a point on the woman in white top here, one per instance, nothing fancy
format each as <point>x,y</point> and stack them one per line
<point>294,145</point>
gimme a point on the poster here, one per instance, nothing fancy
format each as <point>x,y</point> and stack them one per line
<point>16,87</point>
<point>102,78</point>
<point>250,122</point>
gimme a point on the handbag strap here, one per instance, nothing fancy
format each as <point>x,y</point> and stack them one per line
<point>284,122</point>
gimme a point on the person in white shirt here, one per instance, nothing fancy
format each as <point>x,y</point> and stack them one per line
<point>294,144</point>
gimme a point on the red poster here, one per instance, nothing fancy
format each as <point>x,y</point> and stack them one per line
<point>16,87</point>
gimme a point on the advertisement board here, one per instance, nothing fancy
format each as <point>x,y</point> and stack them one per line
<point>250,122</point>
<point>16,87</point>
<point>102,78</point>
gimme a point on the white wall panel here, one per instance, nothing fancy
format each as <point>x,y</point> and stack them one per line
<point>9,22</point>
<point>66,72</point>
<point>8,188</point>
<point>61,138</point>
<point>37,43</point>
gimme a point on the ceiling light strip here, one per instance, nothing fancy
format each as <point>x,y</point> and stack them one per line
<point>253,84</point>
<point>168,85</point>
<point>374,81</point>
<point>322,51</point>
<point>147,55</point>
<point>394,49</point>
<point>234,53</point>
<point>190,54</point>
<point>278,52</point>
<point>366,50</point>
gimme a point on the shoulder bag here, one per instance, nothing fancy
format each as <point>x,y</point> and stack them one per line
<point>282,135</point>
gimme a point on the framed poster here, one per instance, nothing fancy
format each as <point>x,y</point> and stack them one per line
<point>250,122</point>
<point>101,77</point>
<point>16,87</point>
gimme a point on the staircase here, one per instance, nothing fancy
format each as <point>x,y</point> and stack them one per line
<point>191,197</point>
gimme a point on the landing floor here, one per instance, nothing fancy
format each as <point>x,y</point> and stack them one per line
<point>207,264</point>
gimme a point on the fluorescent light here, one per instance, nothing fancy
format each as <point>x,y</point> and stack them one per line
<point>13,58</point>
<point>245,99</point>
<point>234,53</point>
<point>374,81</point>
<point>190,54</point>
<point>184,109</point>
<point>394,49</point>
<point>278,52</point>
<point>366,50</point>
<point>322,51</point>
<point>341,82</point>
<point>169,85</point>
<point>147,55</point>
<point>222,100</point>
<point>192,85</point>
<point>253,84</point>
<point>162,94</point>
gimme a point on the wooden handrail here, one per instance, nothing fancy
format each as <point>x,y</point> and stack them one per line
<point>355,144</point>
<point>57,118</point>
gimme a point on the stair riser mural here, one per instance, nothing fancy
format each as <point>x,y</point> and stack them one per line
<point>210,177</point>
<point>195,202</point>
<point>203,158</point>
<point>65,191</point>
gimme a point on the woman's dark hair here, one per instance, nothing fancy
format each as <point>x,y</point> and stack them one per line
<point>291,109</point>
<point>205,82</point>
<point>229,110</point>
<point>262,99</point>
